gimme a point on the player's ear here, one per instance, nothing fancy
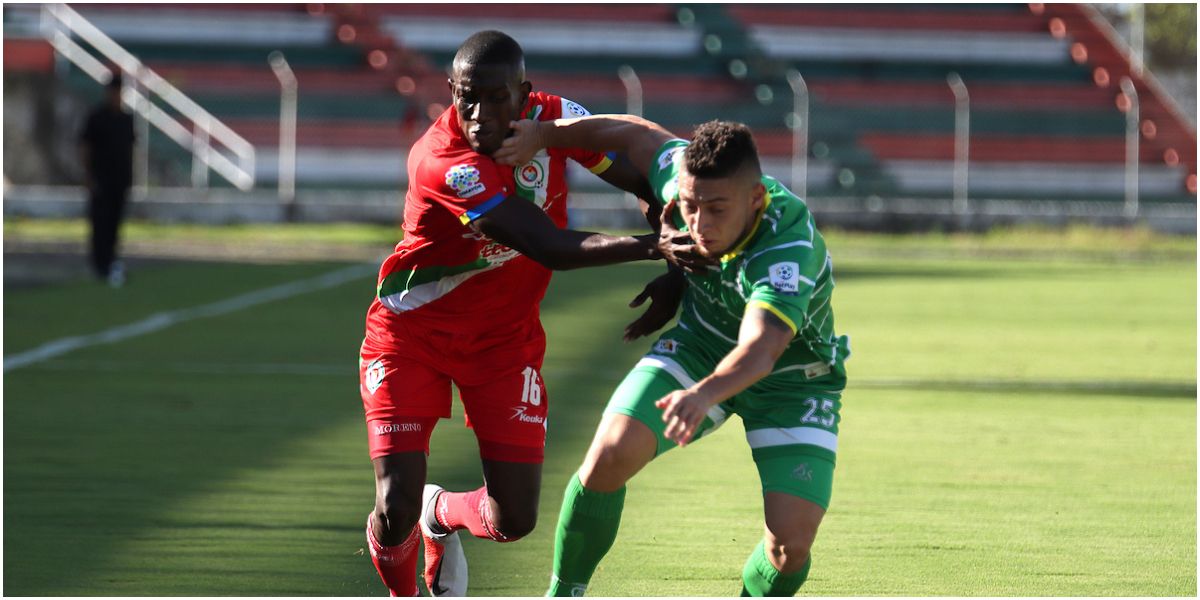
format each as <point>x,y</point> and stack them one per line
<point>450,85</point>
<point>760,195</point>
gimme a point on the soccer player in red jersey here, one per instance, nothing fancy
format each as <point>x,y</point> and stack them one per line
<point>458,302</point>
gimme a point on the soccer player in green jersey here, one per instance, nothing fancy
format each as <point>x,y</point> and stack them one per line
<point>755,338</point>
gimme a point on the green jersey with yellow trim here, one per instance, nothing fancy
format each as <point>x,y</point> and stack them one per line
<point>782,266</point>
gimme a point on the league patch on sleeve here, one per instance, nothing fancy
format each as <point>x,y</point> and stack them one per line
<point>666,158</point>
<point>464,179</point>
<point>785,277</point>
<point>573,109</point>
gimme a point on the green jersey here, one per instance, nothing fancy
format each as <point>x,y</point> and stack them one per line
<point>782,266</point>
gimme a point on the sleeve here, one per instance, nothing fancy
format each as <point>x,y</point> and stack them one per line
<point>664,173</point>
<point>596,162</point>
<point>782,280</point>
<point>468,187</point>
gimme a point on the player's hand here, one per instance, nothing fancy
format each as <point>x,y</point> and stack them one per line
<point>678,247</point>
<point>683,412</point>
<point>521,145</point>
<point>665,293</point>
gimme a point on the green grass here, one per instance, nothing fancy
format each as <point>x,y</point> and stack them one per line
<point>1013,426</point>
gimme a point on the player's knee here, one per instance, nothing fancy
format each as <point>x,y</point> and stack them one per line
<point>516,526</point>
<point>399,512</point>
<point>607,467</point>
<point>789,552</point>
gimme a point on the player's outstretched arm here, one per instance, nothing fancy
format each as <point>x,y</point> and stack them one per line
<point>761,340</point>
<point>632,136</point>
<point>522,226</point>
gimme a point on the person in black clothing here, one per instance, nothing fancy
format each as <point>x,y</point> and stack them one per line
<point>106,144</point>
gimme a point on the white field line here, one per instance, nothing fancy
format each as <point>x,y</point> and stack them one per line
<point>163,320</point>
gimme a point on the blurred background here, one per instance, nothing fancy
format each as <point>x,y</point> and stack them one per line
<point>890,117</point>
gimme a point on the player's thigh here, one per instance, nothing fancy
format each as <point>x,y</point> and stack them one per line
<point>648,382</point>
<point>794,444</point>
<point>403,397</point>
<point>791,524</point>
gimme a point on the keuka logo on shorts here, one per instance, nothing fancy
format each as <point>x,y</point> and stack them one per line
<point>519,415</point>
<point>666,346</point>
<point>387,428</point>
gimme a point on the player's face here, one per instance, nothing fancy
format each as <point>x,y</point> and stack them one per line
<point>487,98</point>
<point>719,212</point>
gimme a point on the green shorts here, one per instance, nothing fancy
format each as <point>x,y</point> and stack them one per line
<point>793,439</point>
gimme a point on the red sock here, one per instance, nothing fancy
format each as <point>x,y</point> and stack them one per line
<point>471,511</point>
<point>397,565</point>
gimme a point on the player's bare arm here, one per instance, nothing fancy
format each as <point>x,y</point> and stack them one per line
<point>762,338</point>
<point>524,227</point>
<point>632,136</point>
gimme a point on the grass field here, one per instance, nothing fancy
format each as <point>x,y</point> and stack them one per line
<point>1015,425</point>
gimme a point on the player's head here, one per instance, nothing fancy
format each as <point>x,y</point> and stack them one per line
<point>720,186</point>
<point>488,88</point>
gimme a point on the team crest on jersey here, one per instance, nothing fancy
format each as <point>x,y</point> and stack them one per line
<point>373,377</point>
<point>785,277</point>
<point>572,109</point>
<point>666,346</point>
<point>531,175</point>
<point>464,179</point>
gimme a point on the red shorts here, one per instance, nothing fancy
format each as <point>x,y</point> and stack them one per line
<point>406,388</point>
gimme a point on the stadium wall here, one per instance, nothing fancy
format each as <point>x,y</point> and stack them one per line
<point>590,210</point>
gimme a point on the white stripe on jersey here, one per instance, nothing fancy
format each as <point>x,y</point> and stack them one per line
<point>710,328</point>
<point>786,436</point>
<point>779,247</point>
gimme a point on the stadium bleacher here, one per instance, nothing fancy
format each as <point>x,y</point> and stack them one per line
<point>1046,116</point>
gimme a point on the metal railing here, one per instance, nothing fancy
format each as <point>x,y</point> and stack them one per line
<point>60,22</point>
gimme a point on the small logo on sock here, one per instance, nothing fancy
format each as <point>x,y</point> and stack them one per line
<point>578,590</point>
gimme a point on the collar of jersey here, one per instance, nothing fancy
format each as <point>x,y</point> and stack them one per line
<point>732,254</point>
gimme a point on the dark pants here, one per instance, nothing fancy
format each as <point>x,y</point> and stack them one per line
<point>106,208</point>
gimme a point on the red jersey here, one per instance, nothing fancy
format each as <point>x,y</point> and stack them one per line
<point>444,275</point>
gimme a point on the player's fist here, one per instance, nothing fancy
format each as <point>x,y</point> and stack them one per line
<point>683,412</point>
<point>678,247</point>
<point>523,142</point>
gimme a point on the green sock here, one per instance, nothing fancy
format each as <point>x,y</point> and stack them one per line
<point>761,578</point>
<point>587,527</point>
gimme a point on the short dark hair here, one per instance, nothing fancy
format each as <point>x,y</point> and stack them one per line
<point>490,47</point>
<point>720,149</point>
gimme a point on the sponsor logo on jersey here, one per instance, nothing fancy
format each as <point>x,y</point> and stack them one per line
<point>666,158</point>
<point>572,109</point>
<point>373,376</point>
<point>785,277</point>
<point>666,346</point>
<point>531,175</point>
<point>464,180</point>
<point>387,428</point>
<point>519,415</point>
<point>496,253</point>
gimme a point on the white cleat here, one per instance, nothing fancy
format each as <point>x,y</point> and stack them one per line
<point>445,562</point>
